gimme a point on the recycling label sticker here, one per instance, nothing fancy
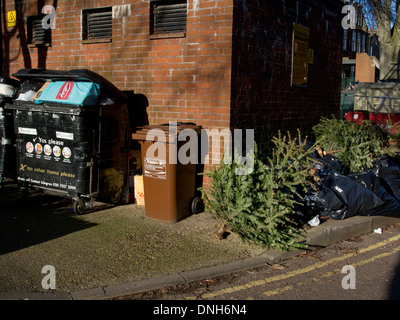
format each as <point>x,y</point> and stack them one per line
<point>155,168</point>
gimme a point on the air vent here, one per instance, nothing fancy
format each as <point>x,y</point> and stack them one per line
<point>37,35</point>
<point>97,24</point>
<point>169,17</point>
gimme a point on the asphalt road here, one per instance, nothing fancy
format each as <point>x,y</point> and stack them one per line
<point>362,268</point>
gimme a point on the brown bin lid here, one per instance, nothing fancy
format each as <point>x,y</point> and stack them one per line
<point>142,132</point>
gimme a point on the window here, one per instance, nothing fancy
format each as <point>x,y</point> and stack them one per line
<point>358,42</point>
<point>353,41</point>
<point>168,19</point>
<point>36,34</point>
<point>345,40</point>
<point>97,25</point>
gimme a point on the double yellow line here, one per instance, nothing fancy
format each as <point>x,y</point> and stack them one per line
<point>305,270</point>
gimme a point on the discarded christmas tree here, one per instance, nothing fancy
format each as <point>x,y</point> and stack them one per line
<point>356,145</point>
<point>260,207</point>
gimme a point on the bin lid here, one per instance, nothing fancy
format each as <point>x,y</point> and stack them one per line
<point>143,132</point>
<point>72,75</point>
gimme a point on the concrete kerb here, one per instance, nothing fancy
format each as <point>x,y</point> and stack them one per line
<point>335,231</point>
<point>323,235</point>
<point>183,277</point>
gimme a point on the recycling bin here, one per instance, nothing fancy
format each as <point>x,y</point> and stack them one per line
<point>72,135</point>
<point>8,88</point>
<point>169,182</point>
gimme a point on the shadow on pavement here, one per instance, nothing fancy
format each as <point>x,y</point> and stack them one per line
<point>34,218</point>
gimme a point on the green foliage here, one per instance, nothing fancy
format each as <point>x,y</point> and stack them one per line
<point>357,145</point>
<point>260,206</point>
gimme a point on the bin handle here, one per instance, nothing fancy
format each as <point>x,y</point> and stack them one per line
<point>19,145</point>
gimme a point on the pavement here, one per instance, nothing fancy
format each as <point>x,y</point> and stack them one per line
<point>116,250</point>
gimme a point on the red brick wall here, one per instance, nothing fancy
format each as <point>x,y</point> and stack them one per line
<point>185,79</point>
<point>231,70</point>
<point>262,95</point>
<point>194,78</point>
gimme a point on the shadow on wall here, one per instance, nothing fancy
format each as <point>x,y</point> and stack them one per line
<point>42,51</point>
<point>137,106</point>
<point>19,32</point>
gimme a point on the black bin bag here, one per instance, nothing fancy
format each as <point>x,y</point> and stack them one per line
<point>343,197</point>
<point>389,178</point>
<point>331,204</point>
<point>370,180</point>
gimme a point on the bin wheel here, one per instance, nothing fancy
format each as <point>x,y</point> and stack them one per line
<point>23,192</point>
<point>197,205</point>
<point>79,206</point>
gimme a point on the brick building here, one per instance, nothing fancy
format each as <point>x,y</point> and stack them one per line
<point>357,51</point>
<point>220,63</point>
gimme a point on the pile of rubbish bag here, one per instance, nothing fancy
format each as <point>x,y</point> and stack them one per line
<point>340,194</point>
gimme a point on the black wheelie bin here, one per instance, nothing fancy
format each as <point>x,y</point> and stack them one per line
<point>72,135</point>
<point>8,88</point>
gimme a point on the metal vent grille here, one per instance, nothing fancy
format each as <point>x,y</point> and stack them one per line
<point>100,25</point>
<point>97,24</point>
<point>39,35</point>
<point>170,18</point>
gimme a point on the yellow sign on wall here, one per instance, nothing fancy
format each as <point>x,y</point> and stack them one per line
<point>300,55</point>
<point>12,18</point>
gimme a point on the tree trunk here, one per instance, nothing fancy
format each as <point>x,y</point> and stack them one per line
<point>386,59</point>
<point>388,43</point>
